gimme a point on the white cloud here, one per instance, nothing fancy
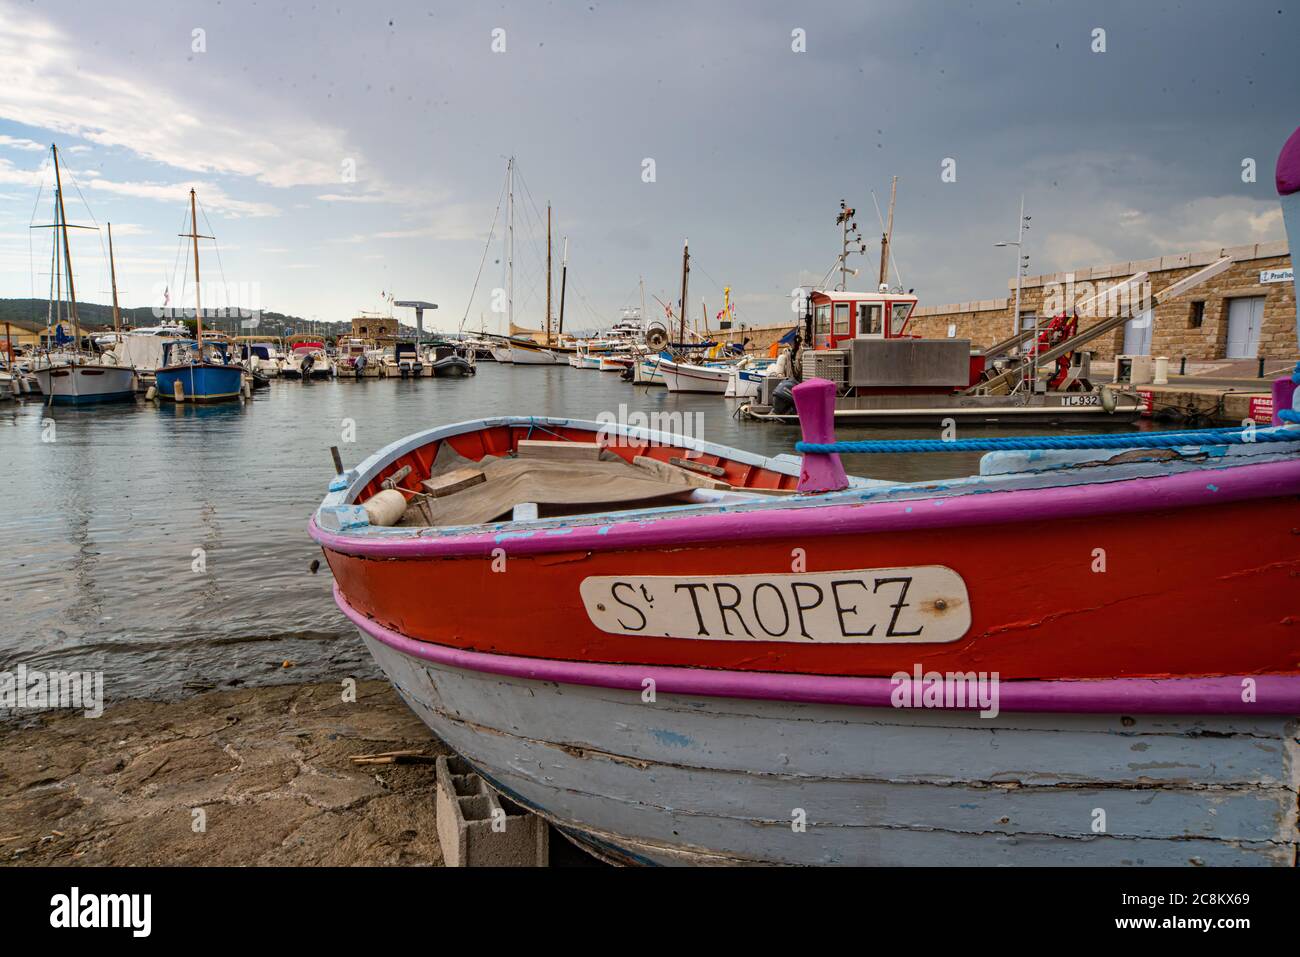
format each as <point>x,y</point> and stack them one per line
<point>9,173</point>
<point>210,195</point>
<point>356,198</point>
<point>19,143</point>
<point>49,81</point>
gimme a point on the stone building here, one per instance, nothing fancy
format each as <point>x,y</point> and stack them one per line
<point>374,327</point>
<point>1246,312</point>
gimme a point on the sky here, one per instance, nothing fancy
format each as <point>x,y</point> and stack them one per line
<point>344,151</point>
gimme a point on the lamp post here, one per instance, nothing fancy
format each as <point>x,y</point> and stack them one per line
<point>1022,262</point>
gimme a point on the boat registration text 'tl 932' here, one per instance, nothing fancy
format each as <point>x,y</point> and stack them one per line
<point>924,604</point>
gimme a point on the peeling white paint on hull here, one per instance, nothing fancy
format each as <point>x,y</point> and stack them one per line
<point>694,780</point>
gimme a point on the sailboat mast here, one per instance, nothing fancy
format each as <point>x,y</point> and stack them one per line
<point>641,282</point>
<point>112,272</point>
<point>510,247</point>
<point>548,274</point>
<point>55,311</point>
<point>67,254</point>
<point>686,271</point>
<point>888,236</point>
<point>198,306</point>
<point>564,280</point>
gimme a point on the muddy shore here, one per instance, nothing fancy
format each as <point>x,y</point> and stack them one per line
<point>268,767</point>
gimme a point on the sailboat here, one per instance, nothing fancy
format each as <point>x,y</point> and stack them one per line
<point>524,350</point>
<point>190,374</point>
<point>75,377</point>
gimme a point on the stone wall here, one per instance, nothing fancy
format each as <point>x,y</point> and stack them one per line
<point>987,321</point>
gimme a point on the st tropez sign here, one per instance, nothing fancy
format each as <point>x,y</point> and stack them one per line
<point>1277,275</point>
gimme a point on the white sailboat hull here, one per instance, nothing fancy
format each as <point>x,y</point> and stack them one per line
<point>87,384</point>
<point>534,357</point>
<point>690,378</point>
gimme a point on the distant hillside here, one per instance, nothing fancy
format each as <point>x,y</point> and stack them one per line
<point>31,314</point>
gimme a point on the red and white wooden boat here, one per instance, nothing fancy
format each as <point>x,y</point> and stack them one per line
<point>683,653</point>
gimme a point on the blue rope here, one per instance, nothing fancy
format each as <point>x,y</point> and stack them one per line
<point>1128,440</point>
<point>1291,415</point>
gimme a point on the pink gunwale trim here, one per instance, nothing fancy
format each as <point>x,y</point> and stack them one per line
<point>1208,486</point>
<point>1274,694</point>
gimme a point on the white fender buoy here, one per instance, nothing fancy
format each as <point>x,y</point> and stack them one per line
<point>178,390</point>
<point>385,508</point>
<point>151,393</point>
<point>1108,401</point>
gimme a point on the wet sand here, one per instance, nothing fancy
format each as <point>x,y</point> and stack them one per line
<point>268,766</point>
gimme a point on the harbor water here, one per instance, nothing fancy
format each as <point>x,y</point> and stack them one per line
<point>166,545</point>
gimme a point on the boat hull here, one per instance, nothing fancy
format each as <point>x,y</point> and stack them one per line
<point>1225,563</point>
<point>86,384</point>
<point>200,382</point>
<point>690,378</point>
<point>452,367</point>
<point>523,356</point>
<point>670,778</point>
<point>647,372</point>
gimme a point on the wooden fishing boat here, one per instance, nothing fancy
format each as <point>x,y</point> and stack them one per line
<point>768,620</point>
<point>679,652</point>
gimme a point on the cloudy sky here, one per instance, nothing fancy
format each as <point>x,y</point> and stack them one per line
<point>1131,152</point>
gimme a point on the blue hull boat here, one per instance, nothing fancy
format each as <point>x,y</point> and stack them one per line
<point>199,382</point>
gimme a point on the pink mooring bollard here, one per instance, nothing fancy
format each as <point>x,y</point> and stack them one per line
<point>1283,397</point>
<point>815,402</point>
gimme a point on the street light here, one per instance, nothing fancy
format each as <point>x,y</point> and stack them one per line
<point>1022,263</point>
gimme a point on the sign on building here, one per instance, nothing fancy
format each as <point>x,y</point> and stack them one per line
<point>1277,275</point>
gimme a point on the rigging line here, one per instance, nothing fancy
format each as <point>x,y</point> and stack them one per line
<point>180,251</point>
<point>483,260</point>
<point>103,249</point>
<point>580,289</point>
<point>534,225</point>
<point>216,247</point>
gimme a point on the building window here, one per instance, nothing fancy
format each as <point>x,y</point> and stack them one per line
<point>1198,315</point>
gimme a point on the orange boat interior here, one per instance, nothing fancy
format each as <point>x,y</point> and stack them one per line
<point>485,475</point>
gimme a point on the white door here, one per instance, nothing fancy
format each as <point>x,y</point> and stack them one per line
<point>1244,319</point>
<point>1137,334</point>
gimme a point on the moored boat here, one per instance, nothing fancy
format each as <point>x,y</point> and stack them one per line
<point>693,377</point>
<point>198,371</point>
<point>77,376</point>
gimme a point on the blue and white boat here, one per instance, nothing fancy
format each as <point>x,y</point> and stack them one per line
<point>193,371</point>
<point>191,375</point>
